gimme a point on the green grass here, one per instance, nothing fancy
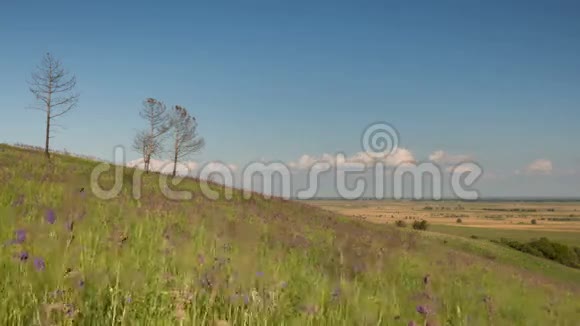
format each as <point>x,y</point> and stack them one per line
<point>155,261</point>
<point>569,238</point>
<point>500,255</point>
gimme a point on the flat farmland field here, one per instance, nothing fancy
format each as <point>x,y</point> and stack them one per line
<point>492,220</point>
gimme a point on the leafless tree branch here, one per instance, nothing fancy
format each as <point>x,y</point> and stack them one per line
<point>52,87</point>
<point>148,142</point>
<point>185,140</point>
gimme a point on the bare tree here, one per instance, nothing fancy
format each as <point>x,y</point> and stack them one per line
<point>53,88</point>
<point>147,146</point>
<point>148,142</point>
<point>184,135</point>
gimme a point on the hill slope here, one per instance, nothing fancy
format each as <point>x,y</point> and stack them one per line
<point>69,257</point>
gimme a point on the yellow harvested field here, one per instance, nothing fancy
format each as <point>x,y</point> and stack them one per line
<point>517,215</point>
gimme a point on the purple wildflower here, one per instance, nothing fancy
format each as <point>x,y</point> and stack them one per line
<point>81,283</point>
<point>50,216</point>
<point>23,256</point>
<point>20,236</point>
<point>412,323</point>
<point>259,274</point>
<point>422,310</point>
<point>128,299</point>
<point>39,264</point>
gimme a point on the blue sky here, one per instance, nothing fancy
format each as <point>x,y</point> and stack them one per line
<point>498,81</point>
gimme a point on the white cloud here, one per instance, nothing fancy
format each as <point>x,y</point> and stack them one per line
<point>400,156</point>
<point>539,166</point>
<point>183,168</point>
<point>220,167</point>
<point>163,166</point>
<point>443,157</point>
<point>305,161</point>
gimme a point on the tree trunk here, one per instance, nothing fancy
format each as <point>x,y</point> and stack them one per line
<point>147,159</point>
<point>174,163</point>
<point>47,135</point>
<point>48,108</point>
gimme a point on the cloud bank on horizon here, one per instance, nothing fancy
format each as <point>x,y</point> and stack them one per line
<point>447,162</point>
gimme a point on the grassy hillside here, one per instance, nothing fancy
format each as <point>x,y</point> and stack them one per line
<point>71,258</point>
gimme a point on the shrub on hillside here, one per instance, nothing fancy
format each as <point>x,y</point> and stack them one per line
<point>459,220</point>
<point>534,222</point>
<point>545,248</point>
<point>401,224</point>
<point>422,225</point>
